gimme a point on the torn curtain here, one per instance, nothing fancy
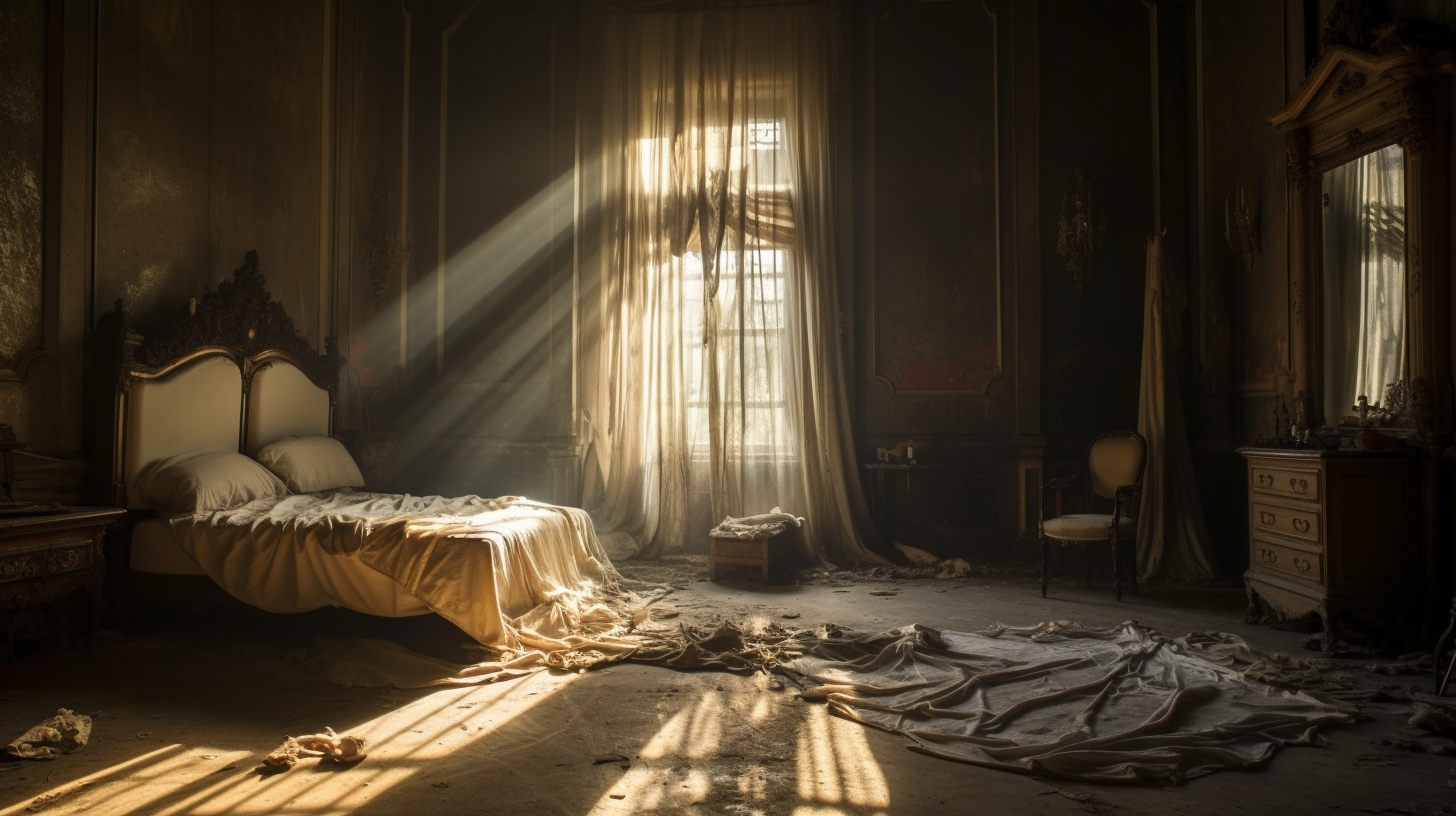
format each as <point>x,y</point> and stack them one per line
<point>721,388</point>
<point>1172,544</point>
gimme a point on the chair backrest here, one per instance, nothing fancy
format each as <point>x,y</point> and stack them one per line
<point>1116,460</point>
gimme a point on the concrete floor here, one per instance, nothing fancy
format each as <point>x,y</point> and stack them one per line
<point>185,704</point>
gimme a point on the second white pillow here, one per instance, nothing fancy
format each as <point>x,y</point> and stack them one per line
<point>308,464</point>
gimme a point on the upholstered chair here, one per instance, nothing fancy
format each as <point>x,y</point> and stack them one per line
<point>1114,472</point>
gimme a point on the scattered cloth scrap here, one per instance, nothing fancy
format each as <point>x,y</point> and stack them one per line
<point>1104,705</point>
<point>58,735</point>
<point>346,748</point>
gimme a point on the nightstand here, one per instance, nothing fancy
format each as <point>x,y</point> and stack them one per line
<point>47,557</point>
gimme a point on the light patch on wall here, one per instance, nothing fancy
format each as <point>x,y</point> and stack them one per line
<point>146,285</point>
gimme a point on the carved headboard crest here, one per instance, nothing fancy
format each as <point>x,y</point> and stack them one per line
<point>239,314</point>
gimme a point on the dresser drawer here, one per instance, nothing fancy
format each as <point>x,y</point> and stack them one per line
<point>1285,521</point>
<point>1280,480</point>
<point>72,553</point>
<point>1272,556</point>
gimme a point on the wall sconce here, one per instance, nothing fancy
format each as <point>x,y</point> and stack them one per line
<point>1242,231</point>
<point>1078,232</point>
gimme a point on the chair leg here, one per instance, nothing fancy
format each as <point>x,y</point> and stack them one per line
<point>1046,563</point>
<point>1087,556</point>
<point>1116,567</point>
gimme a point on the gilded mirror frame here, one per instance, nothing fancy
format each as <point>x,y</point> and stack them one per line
<point>1352,104</point>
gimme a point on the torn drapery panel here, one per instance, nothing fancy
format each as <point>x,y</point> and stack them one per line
<point>1172,539</point>
<point>720,386</point>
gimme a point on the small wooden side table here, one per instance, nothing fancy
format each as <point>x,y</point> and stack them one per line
<point>44,558</point>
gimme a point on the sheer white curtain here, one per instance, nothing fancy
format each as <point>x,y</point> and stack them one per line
<point>1364,251</point>
<point>721,363</point>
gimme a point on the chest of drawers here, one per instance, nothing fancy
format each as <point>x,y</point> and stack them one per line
<point>1335,534</point>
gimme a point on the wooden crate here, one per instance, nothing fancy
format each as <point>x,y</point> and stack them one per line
<point>739,552</point>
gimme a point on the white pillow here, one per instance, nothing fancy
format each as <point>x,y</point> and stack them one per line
<point>204,481</point>
<point>308,464</point>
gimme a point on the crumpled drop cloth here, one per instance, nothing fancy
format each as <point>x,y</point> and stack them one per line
<point>1107,705</point>
<point>57,735</point>
<point>764,525</point>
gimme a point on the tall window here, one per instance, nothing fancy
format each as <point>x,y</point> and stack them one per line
<point>721,365</point>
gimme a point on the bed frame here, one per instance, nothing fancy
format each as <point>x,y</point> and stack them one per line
<point>232,374</point>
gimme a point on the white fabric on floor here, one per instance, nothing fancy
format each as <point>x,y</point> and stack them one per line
<point>1108,705</point>
<point>509,572</point>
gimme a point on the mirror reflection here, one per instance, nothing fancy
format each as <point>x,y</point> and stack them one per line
<point>1364,280</point>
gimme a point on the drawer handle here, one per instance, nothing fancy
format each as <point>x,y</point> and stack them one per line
<point>1268,556</point>
<point>1300,525</point>
<point>1298,485</point>
<point>1302,564</point>
<point>1266,518</point>
<point>1266,480</point>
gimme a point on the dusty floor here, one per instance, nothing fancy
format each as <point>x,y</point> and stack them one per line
<point>185,705</point>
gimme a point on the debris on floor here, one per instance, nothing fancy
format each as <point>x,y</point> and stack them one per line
<point>340,748</point>
<point>58,735</point>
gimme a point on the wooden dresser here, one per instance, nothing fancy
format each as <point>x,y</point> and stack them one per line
<point>1337,534</point>
<point>44,558</point>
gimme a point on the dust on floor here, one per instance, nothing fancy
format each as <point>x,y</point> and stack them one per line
<point>186,704</point>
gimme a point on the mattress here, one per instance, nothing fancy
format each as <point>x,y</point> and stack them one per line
<point>154,549</point>
<point>300,579</point>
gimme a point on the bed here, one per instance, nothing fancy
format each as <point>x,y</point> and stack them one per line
<point>198,413</point>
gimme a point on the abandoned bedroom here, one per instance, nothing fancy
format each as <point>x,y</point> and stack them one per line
<point>805,407</point>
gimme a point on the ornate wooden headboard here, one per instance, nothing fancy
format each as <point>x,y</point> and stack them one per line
<point>231,374</point>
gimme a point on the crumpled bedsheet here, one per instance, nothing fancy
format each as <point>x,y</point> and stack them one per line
<point>510,572</point>
<point>1060,699</point>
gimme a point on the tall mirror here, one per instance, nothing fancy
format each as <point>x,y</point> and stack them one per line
<point>1369,152</point>
<point>1364,283</point>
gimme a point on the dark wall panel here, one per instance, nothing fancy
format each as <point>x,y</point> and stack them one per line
<point>937,309</point>
<point>499,229</point>
<point>209,131</point>
<point>944,231</point>
<point>1245,325</point>
<point>1096,114</point>
<point>153,125</point>
<point>266,153</point>
<point>1241,327</point>
<point>373,223</point>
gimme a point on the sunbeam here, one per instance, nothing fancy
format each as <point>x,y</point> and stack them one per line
<point>203,780</point>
